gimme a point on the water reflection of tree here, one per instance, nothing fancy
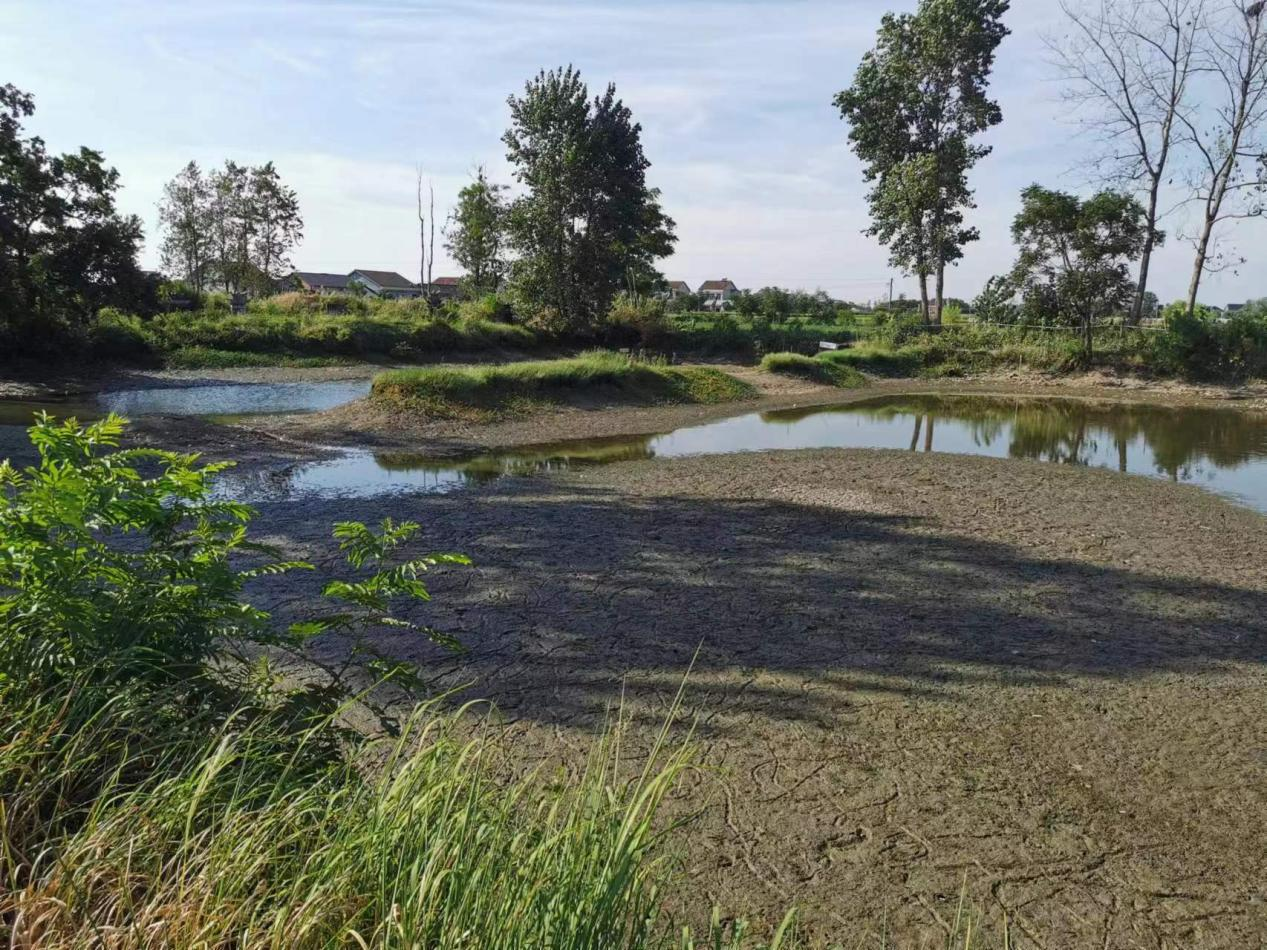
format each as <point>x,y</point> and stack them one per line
<point>1180,441</point>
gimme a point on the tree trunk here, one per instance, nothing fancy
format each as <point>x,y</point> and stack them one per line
<point>1198,268</point>
<point>941,291</point>
<point>923,298</point>
<point>1146,257</point>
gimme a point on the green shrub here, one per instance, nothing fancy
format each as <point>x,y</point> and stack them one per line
<point>216,302</point>
<point>121,337</point>
<point>1205,346</point>
<point>816,369</point>
<point>124,557</point>
<point>146,799</point>
<point>490,308</point>
<point>637,319</point>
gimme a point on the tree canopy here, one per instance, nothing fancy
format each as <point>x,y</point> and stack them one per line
<point>1076,255</point>
<point>235,226</point>
<point>917,100</point>
<point>65,250</point>
<point>476,236</point>
<point>589,223</point>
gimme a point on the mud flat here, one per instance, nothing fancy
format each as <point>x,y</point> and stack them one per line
<point>918,676</point>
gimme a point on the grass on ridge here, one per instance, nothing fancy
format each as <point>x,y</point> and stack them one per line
<point>818,369</point>
<point>203,357</point>
<point>596,376</point>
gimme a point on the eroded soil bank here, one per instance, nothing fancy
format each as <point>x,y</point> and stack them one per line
<point>915,674</point>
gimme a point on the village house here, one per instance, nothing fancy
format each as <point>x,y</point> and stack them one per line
<point>446,288</point>
<point>315,283</point>
<point>675,289</point>
<point>385,284</point>
<point>715,294</point>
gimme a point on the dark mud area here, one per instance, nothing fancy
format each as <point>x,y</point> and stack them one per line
<point>917,676</point>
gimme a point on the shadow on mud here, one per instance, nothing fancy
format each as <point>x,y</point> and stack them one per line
<point>578,594</point>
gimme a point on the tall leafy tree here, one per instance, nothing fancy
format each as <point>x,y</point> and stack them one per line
<point>235,226</point>
<point>589,222</point>
<point>1076,256</point>
<point>476,235</point>
<point>183,217</point>
<point>918,99</point>
<point>277,225</point>
<point>65,251</point>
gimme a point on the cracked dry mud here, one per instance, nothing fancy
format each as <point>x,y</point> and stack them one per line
<point>917,676</point>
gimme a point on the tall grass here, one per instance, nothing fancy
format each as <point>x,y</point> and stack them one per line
<point>595,375</point>
<point>392,330</point>
<point>236,840</point>
<point>969,349</point>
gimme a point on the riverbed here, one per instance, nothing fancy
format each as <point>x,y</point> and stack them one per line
<point>937,649</point>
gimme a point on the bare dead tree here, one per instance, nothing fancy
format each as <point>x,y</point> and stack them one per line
<point>1228,134</point>
<point>1130,65</point>
<point>422,236</point>
<point>431,252</point>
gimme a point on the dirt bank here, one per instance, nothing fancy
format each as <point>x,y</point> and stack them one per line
<point>914,672</point>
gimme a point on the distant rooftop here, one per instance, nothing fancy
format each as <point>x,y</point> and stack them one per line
<point>315,279</point>
<point>387,279</point>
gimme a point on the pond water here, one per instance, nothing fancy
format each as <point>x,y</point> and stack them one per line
<point>223,401</point>
<point>1224,450</point>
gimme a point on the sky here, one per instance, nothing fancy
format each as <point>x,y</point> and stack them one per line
<point>349,97</point>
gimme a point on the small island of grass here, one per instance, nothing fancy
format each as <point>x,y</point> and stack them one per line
<point>593,378</point>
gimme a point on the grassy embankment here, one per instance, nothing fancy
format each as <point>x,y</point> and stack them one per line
<point>731,335</point>
<point>596,377</point>
<point>299,329</point>
<point>1196,348</point>
<point>817,369</point>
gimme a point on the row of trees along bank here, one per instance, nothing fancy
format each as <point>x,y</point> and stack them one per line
<point>1172,92</point>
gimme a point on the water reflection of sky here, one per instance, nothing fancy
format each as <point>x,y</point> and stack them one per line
<point>224,400</point>
<point>1224,450</point>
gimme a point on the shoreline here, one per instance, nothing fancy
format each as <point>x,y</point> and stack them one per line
<point>362,425</point>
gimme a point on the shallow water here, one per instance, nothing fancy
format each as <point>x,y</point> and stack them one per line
<point>214,401</point>
<point>1224,450</point>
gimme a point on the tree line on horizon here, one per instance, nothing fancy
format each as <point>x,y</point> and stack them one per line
<point>1178,89</point>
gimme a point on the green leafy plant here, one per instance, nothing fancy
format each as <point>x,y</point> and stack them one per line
<point>126,560</point>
